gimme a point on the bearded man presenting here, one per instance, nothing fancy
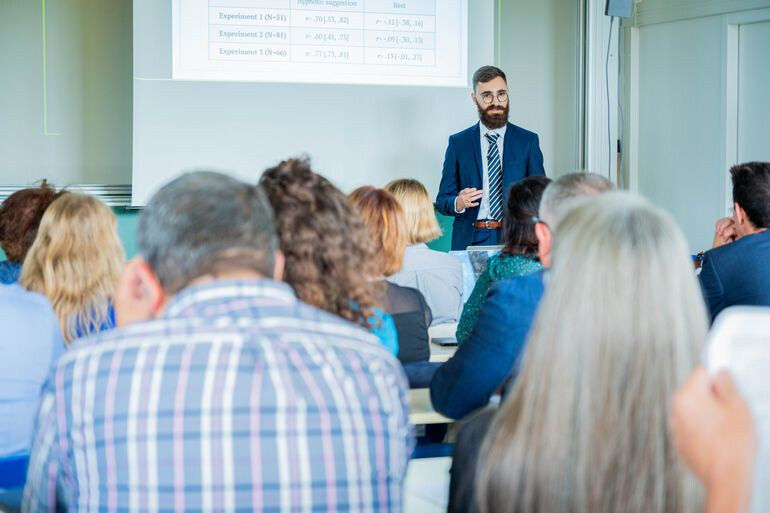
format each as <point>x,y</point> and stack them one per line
<point>482,162</point>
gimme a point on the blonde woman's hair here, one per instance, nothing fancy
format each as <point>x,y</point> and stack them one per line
<point>585,428</point>
<point>76,261</point>
<point>421,222</point>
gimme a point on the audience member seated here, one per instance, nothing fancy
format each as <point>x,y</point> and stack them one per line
<point>519,254</point>
<point>735,271</point>
<point>385,219</point>
<point>329,253</point>
<point>585,425</point>
<point>715,434</point>
<point>489,356</point>
<point>30,344</point>
<point>436,274</point>
<point>76,261</point>
<point>226,391</point>
<point>20,216</point>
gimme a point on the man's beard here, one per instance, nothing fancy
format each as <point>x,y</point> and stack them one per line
<point>493,120</point>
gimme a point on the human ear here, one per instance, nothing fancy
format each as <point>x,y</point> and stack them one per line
<point>544,243</point>
<point>139,295</point>
<point>739,214</point>
<point>279,265</point>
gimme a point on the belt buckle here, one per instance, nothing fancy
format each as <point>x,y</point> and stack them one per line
<point>486,224</point>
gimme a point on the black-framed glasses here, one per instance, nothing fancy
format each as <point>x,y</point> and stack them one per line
<point>488,96</point>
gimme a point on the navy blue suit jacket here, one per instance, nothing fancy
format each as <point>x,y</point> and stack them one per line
<point>737,273</point>
<point>463,168</point>
<point>491,353</point>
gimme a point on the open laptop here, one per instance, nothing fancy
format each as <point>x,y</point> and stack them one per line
<point>474,260</point>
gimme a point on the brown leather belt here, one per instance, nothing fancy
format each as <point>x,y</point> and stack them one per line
<point>488,224</point>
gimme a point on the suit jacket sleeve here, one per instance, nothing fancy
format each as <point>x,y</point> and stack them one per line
<point>535,162</point>
<point>713,291</point>
<point>450,182</point>
<point>483,362</point>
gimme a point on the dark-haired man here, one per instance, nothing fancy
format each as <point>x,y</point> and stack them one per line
<point>735,270</point>
<point>483,161</point>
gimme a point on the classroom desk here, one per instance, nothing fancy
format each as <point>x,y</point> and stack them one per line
<point>442,353</point>
<point>421,410</point>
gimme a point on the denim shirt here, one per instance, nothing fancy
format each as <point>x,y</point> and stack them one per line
<point>9,272</point>
<point>81,330</point>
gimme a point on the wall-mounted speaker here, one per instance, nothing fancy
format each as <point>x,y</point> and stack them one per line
<point>619,8</point>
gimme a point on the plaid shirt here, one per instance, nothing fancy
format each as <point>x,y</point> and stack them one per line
<point>239,398</point>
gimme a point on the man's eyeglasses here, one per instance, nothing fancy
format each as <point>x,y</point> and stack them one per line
<point>487,97</point>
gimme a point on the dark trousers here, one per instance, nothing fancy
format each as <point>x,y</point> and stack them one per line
<point>419,374</point>
<point>486,237</point>
<point>462,479</point>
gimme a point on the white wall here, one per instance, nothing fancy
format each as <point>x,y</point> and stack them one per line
<point>73,124</point>
<point>681,95</point>
<point>754,91</point>
<point>538,52</point>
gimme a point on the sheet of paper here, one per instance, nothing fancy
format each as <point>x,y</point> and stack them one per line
<point>740,343</point>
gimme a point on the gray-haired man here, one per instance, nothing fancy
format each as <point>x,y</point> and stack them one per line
<point>220,390</point>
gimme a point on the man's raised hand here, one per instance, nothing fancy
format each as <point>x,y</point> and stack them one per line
<point>468,198</point>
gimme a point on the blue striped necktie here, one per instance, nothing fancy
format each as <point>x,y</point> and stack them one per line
<point>495,173</point>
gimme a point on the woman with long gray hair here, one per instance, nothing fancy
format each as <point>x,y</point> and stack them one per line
<point>621,324</point>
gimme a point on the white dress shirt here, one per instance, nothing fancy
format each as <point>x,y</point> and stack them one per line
<point>484,202</point>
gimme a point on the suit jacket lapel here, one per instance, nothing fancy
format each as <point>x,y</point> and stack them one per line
<point>476,143</point>
<point>509,146</point>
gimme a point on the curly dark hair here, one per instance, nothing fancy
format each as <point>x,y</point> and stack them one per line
<point>523,204</point>
<point>20,216</point>
<point>330,258</point>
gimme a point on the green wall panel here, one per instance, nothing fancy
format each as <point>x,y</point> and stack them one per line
<point>443,243</point>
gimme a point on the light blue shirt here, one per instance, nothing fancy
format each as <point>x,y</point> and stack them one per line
<point>30,345</point>
<point>438,276</point>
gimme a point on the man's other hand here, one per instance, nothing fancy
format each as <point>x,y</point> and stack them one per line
<point>724,232</point>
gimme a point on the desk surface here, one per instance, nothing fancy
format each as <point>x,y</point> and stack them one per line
<point>421,410</point>
<point>442,353</point>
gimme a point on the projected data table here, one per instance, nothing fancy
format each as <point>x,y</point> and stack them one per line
<point>371,32</point>
<point>383,42</point>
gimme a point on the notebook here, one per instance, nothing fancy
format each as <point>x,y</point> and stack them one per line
<point>740,343</point>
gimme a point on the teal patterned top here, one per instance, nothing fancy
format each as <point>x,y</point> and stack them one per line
<point>499,268</point>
